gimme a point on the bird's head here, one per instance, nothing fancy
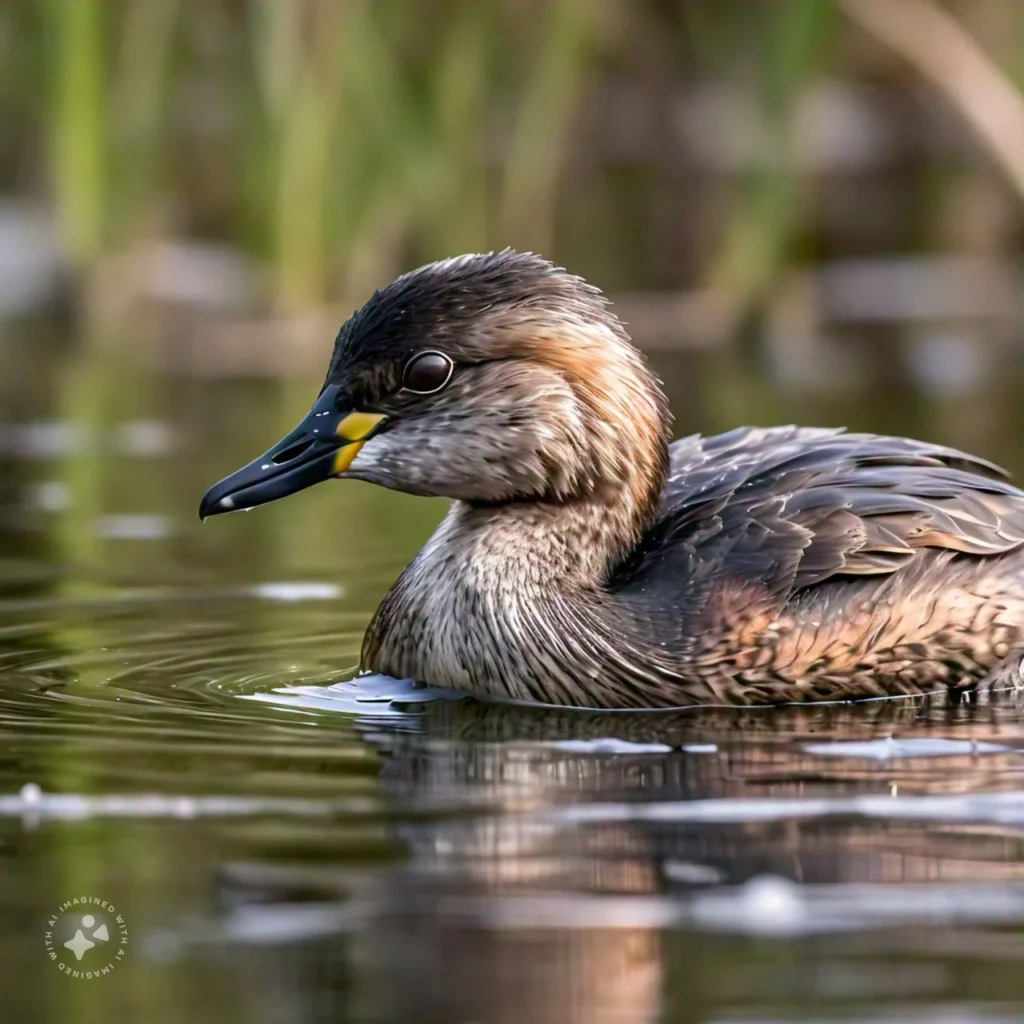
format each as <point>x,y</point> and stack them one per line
<point>484,378</point>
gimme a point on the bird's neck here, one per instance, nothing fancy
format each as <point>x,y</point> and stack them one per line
<point>563,548</point>
<point>509,601</point>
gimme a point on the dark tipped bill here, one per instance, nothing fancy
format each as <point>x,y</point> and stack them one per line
<point>323,445</point>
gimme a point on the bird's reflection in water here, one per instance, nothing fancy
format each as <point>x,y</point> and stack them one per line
<point>524,913</point>
<point>610,868</point>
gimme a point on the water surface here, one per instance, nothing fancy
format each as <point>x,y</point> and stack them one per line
<point>306,857</point>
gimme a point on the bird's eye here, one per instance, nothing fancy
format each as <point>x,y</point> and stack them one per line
<point>427,372</point>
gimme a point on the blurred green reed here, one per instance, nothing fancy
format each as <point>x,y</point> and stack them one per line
<point>765,202</point>
<point>339,140</point>
<point>79,121</point>
<point>334,139</point>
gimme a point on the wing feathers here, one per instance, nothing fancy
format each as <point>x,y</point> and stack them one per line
<point>791,507</point>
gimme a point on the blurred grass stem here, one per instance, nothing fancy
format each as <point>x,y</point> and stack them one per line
<point>78,124</point>
<point>953,63</point>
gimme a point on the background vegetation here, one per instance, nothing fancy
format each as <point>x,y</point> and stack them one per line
<point>805,210</point>
<point>697,147</point>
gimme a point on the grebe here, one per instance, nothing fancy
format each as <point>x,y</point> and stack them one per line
<point>588,561</point>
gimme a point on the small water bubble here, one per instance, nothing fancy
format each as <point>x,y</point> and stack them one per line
<point>52,496</point>
<point>132,527</point>
<point>31,793</point>
<point>915,746</point>
<point>772,903</point>
<point>146,438</point>
<point>301,591</point>
<point>47,440</point>
<point>610,745</point>
<point>692,873</point>
<point>184,807</point>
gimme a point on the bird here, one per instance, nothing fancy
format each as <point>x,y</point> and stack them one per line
<point>589,561</point>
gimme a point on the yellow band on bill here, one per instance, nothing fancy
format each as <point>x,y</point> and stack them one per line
<point>353,428</point>
<point>356,425</point>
